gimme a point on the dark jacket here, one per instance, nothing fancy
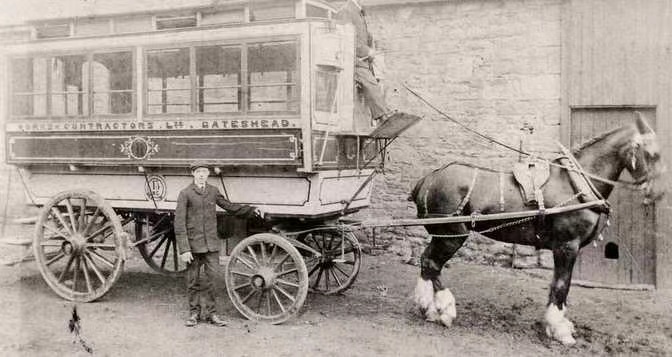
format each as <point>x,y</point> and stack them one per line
<point>196,218</point>
<point>350,13</point>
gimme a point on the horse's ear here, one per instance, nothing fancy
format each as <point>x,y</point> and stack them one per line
<point>642,125</point>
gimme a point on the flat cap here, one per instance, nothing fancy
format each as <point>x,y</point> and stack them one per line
<point>196,164</point>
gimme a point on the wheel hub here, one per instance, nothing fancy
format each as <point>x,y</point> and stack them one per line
<point>75,245</point>
<point>264,279</point>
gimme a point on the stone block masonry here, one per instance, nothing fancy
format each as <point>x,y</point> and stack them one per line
<point>493,65</point>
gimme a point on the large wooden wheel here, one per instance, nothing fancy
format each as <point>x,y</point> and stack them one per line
<point>158,246</point>
<point>79,245</point>
<point>336,270</point>
<point>266,278</point>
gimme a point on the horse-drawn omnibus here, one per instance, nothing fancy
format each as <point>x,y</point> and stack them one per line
<point>104,114</point>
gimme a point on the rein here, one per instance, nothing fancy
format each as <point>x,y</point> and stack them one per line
<point>633,185</point>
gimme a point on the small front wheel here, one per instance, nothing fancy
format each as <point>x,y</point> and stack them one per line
<point>336,270</point>
<point>266,278</point>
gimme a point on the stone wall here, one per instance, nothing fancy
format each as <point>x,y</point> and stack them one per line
<point>494,66</point>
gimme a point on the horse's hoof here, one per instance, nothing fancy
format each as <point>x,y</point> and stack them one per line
<point>445,305</point>
<point>562,333</point>
<point>567,340</point>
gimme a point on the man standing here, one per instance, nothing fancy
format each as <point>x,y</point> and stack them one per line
<point>197,241</point>
<point>351,12</point>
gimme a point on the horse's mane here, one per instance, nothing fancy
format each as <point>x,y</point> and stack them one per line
<point>592,141</point>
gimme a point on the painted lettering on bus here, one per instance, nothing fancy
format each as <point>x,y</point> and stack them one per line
<point>151,125</point>
<point>246,124</point>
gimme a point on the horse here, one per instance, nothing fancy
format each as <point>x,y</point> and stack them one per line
<point>462,189</point>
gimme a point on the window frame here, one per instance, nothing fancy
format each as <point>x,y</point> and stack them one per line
<point>89,93</point>
<point>243,44</point>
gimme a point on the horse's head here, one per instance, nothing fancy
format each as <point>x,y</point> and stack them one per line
<point>642,159</point>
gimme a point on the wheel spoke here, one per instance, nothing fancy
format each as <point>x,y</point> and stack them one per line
<point>268,302</point>
<point>338,281</point>
<point>242,286</point>
<point>273,252</point>
<point>312,236</point>
<point>57,213</point>
<point>156,235</point>
<point>339,251</point>
<point>101,258</point>
<point>326,278</point>
<point>52,230</point>
<point>253,255</point>
<point>319,277</point>
<point>94,217</point>
<point>55,258</point>
<point>315,267</point>
<point>293,270</point>
<point>277,301</point>
<point>262,249</point>
<point>76,272</point>
<point>103,246</point>
<point>288,283</point>
<point>102,229</point>
<point>86,275</point>
<point>82,214</point>
<point>279,265</point>
<point>158,246</point>
<point>246,263</point>
<point>339,269</point>
<point>260,300</point>
<point>71,214</point>
<point>165,254</point>
<point>284,292</point>
<point>67,267</point>
<point>94,268</point>
<point>244,300</point>
<point>240,273</point>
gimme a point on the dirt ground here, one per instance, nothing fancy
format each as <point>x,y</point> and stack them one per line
<point>499,314</point>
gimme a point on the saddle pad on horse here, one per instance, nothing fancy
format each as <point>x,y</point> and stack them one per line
<point>531,176</point>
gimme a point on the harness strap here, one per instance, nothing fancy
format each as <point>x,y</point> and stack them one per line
<point>467,197</point>
<point>581,171</point>
<point>501,191</point>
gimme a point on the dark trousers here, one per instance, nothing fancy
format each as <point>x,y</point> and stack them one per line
<point>373,95</point>
<point>200,283</point>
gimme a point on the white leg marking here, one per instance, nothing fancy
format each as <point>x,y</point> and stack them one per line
<point>445,305</point>
<point>424,299</point>
<point>557,326</point>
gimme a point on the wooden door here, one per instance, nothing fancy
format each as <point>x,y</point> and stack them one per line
<point>627,254</point>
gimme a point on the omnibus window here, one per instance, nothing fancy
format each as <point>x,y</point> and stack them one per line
<point>218,78</point>
<point>113,83</point>
<point>168,81</point>
<point>314,11</point>
<point>69,86</point>
<point>29,87</point>
<point>326,85</point>
<point>279,10</point>
<point>272,76</point>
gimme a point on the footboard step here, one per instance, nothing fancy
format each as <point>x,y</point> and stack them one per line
<point>16,241</point>
<point>25,220</point>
